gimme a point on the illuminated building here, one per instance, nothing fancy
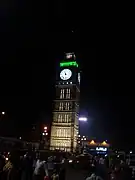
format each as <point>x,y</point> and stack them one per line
<point>96,147</point>
<point>65,127</point>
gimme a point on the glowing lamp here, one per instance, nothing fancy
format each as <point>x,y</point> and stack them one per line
<point>92,142</point>
<point>83,119</point>
<point>104,143</point>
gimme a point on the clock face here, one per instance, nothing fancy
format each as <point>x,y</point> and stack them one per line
<point>65,74</point>
<point>79,78</point>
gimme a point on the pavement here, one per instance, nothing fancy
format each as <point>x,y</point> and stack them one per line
<point>74,174</point>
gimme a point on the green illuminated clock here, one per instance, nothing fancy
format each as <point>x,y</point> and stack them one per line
<point>70,63</point>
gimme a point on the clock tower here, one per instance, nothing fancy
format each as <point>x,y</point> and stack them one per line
<point>65,126</point>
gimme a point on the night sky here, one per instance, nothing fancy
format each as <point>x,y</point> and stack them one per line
<point>33,45</point>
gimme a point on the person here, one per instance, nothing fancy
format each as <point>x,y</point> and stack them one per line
<point>12,168</point>
<point>2,164</point>
<point>50,164</point>
<point>62,173</point>
<point>12,174</point>
<point>6,168</point>
<point>55,175</point>
<point>94,176</point>
<point>40,170</point>
<point>27,168</point>
<point>117,173</point>
<point>101,169</point>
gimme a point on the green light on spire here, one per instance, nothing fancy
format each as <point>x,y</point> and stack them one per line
<point>66,64</point>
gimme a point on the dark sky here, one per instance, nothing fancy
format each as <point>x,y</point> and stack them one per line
<point>34,42</point>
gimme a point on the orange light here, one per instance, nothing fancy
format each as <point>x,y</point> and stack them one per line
<point>104,143</point>
<point>92,142</point>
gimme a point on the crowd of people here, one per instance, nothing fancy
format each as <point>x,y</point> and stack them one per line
<point>30,167</point>
<point>115,170</point>
<point>34,166</point>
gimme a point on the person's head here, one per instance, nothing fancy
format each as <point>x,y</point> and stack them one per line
<point>38,156</point>
<point>54,171</point>
<point>101,161</point>
<point>117,168</point>
<point>93,169</point>
<point>42,158</point>
<point>21,157</point>
<point>121,162</point>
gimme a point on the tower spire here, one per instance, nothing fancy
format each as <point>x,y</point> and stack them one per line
<point>70,55</point>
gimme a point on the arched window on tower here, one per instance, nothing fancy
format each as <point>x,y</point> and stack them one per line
<point>62,94</point>
<point>60,132</point>
<point>57,132</point>
<point>59,118</point>
<point>61,106</point>
<point>66,135</point>
<point>64,132</point>
<point>67,118</point>
<point>68,106</point>
<point>67,93</point>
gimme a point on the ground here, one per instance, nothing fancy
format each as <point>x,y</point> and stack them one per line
<point>73,174</point>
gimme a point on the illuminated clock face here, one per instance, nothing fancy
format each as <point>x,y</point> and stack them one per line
<point>65,74</point>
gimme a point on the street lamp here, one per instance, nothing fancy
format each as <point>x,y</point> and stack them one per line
<point>83,139</point>
<point>3,113</point>
<point>83,119</point>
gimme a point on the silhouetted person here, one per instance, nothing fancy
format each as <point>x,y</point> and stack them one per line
<point>13,171</point>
